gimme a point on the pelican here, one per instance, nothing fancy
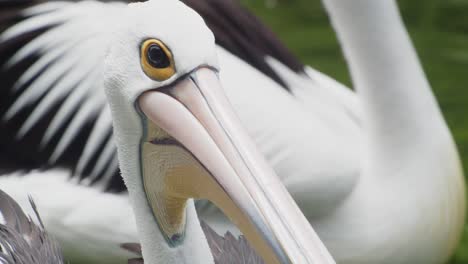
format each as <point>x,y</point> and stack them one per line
<point>178,139</point>
<point>375,171</point>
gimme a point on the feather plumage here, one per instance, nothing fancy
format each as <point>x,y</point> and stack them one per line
<point>22,241</point>
<point>56,106</point>
<point>225,249</point>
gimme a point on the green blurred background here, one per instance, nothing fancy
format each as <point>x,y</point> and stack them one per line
<point>439,29</point>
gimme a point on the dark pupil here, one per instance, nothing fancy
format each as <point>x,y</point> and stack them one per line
<point>157,57</point>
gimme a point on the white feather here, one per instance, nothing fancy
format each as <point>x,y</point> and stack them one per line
<point>38,22</point>
<point>69,106</point>
<point>103,159</point>
<point>55,93</point>
<point>110,172</point>
<point>39,66</point>
<point>98,134</point>
<point>45,7</point>
<point>37,89</point>
<point>90,107</point>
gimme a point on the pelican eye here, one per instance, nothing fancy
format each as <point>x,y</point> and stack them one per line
<point>157,57</point>
<point>156,60</point>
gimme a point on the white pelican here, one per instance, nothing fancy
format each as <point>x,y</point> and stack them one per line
<point>178,139</point>
<point>375,172</point>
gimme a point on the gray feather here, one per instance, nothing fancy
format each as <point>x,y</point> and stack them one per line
<point>13,214</point>
<point>22,241</point>
<point>225,250</point>
<point>230,250</point>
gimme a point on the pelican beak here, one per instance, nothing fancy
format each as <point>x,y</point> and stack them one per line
<point>194,147</point>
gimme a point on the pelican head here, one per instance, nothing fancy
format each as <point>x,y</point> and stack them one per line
<point>179,139</point>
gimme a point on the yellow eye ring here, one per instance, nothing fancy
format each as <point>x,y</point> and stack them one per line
<point>156,60</point>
